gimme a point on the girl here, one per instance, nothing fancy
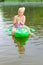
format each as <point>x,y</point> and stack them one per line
<point>19,20</point>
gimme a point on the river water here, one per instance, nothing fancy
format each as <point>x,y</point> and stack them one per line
<point>34,46</point>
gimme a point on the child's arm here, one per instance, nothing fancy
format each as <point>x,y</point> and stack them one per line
<point>14,22</point>
<point>23,22</point>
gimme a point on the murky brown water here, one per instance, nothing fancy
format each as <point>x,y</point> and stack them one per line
<point>34,47</point>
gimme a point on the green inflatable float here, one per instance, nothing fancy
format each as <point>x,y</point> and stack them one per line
<point>20,32</point>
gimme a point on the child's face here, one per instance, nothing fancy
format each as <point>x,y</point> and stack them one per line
<point>20,13</point>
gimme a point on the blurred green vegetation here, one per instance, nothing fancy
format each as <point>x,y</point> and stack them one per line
<point>2,0</point>
<point>25,0</point>
<point>22,0</point>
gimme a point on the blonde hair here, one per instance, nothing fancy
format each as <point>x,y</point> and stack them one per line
<point>21,8</point>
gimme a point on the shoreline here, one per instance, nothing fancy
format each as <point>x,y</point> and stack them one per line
<point>31,4</point>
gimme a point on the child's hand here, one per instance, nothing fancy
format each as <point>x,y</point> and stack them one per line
<point>21,23</point>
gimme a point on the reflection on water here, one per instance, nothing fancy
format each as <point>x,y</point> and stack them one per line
<point>20,43</point>
<point>33,47</point>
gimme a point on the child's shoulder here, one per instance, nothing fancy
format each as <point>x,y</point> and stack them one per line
<point>15,16</point>
<point>24,16</point>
